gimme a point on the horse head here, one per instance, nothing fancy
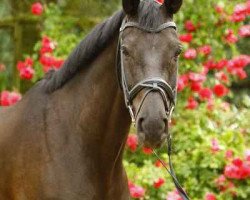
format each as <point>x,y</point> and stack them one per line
<point>148,56</point>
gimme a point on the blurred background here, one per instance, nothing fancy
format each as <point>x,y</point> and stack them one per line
<point>211,124</point>
<point>20,29</point>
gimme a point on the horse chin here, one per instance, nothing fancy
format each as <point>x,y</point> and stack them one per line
<point>150,143</point>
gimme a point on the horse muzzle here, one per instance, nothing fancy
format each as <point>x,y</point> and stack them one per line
<point>151,121</point>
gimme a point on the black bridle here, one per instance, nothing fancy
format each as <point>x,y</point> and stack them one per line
<point>152,84</point>
<point>168,94</point>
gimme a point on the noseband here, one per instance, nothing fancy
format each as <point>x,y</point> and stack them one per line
<point>157,84</point>
<point>168,94</point>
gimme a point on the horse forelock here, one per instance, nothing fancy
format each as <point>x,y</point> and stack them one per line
<point>150,15</point>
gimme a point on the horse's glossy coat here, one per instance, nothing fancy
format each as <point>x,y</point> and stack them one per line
<point>64,140</point>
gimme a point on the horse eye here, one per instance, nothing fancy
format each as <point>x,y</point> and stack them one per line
<point>124,50</point>
<point>176,58</point>
<point>178,52</point>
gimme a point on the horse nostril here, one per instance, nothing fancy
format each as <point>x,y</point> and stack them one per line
<point>139,124</point>
<point>165,120</point>
<point>166,124</point>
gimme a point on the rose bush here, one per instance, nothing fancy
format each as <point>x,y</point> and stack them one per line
<point>210,136</point>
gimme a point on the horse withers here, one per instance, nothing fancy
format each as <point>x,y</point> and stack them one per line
<point>65,138</point>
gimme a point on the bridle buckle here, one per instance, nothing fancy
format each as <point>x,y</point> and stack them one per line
<point>130,109</point>
<point>170,112</point>
<point>155,86</point>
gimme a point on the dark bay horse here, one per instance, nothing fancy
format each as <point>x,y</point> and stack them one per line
<point>64,140</point>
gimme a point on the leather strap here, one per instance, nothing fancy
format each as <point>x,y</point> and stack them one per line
<point>153,83</point>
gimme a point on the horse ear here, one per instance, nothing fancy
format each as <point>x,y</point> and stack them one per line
<point>173,6</point>
<point>130,6</point>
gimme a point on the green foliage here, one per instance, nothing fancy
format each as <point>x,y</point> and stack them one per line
<point>67,35</point>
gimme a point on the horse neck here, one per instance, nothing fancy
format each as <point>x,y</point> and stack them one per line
<point>97,104</point>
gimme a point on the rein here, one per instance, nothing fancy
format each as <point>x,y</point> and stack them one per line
<point>178,186</point>
<point>157,84</point>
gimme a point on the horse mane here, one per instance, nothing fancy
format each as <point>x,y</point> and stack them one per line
<point>97,40</point>
<point>88,49</point>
